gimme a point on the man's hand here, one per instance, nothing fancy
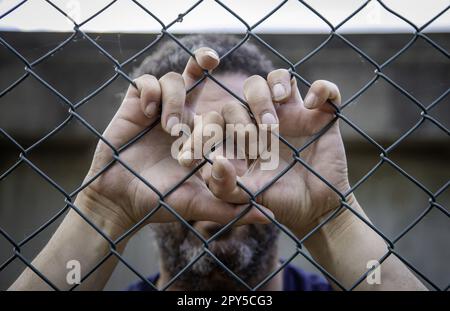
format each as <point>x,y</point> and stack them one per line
<point>299,198</point>
<point>116,199</point>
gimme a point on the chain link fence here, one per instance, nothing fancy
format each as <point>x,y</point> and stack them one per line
<point>121,69</point>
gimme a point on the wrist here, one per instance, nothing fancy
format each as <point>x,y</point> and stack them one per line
<point>346,246</point>
<point>336,229</point>
<point>103,213</point>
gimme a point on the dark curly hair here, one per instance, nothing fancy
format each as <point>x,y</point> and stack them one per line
<point>169,56</point>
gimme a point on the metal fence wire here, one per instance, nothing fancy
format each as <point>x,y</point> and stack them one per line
<point>120,69</point>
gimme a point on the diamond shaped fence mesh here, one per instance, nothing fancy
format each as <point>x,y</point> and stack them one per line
<point>378,74</point>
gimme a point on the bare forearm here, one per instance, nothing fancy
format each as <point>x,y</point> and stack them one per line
<point>74,239</point>
<point>345,246</point>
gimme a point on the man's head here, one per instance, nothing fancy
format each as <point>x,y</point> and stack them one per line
<point>249,251</point>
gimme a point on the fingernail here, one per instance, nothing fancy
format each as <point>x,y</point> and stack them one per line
<point>212,54</point>
<point>185,158</point>
<point>150,110</point>
<point>278,91</point>
<point>172,122</point>
<point>217,174</point>
<point>217,171</point>
<point>268,118</point>
<point>310,100</point>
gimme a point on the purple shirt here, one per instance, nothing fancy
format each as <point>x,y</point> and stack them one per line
<point>294,279</point>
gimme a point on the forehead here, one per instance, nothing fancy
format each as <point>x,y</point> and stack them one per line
<point>213,96</point>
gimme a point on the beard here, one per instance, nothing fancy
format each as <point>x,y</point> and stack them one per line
<point>249,251</point>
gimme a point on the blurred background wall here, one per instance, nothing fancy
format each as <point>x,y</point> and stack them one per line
<point>30,111</point>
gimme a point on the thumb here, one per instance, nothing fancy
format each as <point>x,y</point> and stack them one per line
<point>205,206</point>
<point>138,110</point>
<point>223,182</point>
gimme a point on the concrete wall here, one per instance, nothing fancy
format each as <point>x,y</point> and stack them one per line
<point>30,111</point>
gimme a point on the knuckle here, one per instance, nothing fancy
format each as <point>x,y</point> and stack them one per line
<point>227,108</point>
<point>136,80</point>
<point>319,86</point>
<point>213,117</point>
<point>173,102</point>
<point>334,87</point>
<point>144,80</point>
<point>142,77</point>
<point>147,77</point>
<point>278,75</point>
<point>172,76</point>
<point>151,86</point>
<point>231,109</point>
<point>326,87</point>
<point>253,79</point>
<point>260,101</point>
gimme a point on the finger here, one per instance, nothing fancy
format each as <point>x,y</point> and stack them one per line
<point>292,113</point>
<point>204,59</point>
<point>205,206</point>
<point>150,95</point>
<point>319,93</point>
<point>222,182</point>
<point>259,98</point>
<point>255,215</point>
<point>138,110</point>
<point>296,118</point>
<point>173,94</point>
<point>238,121</point>
<point>207,132</point>
<point>280,84</point>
